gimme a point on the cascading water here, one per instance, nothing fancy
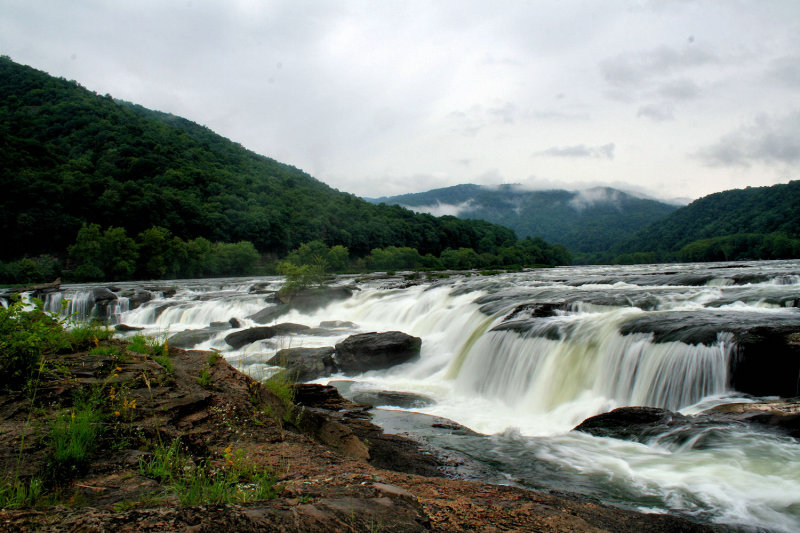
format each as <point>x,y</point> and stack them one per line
<point>523,358</point>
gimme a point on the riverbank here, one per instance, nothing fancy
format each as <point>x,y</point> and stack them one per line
<point>185,442</point>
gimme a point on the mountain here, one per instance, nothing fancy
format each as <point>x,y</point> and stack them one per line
<point>591,220</point>
<point>753,223</point>
<point>72,157</point>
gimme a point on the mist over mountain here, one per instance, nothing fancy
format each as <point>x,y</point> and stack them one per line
<point>591,220</point>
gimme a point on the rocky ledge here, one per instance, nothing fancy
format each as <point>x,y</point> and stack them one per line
<point>333,470</point>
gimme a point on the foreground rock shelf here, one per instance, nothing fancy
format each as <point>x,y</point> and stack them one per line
<point>336,470</point>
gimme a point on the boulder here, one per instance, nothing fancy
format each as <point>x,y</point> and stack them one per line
<point>404,400</point>
<point>376,351</point>
<point>190,338</point>
<point>125,327</point>
<point>238,339</point>
<point>782,414</point>
<point>312,299</point>
<point>305,301</point>
<point>305,364</point>
<point>631,423</point>
<point>767,361</point>
<point>337,324</point>
<point>136,297</point>
<point>268,314</point>
<point>287,328</point>
<point>102,297</point>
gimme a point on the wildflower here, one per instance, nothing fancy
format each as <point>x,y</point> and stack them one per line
<point>96,341</point>
<point>116,413</point>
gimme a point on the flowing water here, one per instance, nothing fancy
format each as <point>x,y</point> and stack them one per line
<point>522,358</point>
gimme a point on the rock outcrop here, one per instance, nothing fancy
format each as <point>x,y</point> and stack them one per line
<point>376,351</point>
<point>305,364</point>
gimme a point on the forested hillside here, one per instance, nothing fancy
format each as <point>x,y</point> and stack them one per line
<point>72,158</point>
<point>751,223</point>
<point>593,220</point>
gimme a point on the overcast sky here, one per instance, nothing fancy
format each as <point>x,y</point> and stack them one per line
<point>674,98</point>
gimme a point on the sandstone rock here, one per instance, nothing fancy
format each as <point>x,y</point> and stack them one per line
<point>375,351</point>
<point>305,364</point>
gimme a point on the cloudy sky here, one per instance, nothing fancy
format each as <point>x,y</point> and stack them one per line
<point>675,98</point>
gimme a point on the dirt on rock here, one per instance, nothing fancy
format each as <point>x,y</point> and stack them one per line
<point>334,470</point>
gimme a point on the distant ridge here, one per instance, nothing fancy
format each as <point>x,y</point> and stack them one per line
<point>591,220</point>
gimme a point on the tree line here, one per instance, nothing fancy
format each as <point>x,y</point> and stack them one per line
<point>111,255</point>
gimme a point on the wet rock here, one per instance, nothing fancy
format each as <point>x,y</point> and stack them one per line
<point>136,297</point>
<point>268,314</point>
<point>337,324</point>
<point>375,351</point>
<point>261,288</point>
<point>305,364</point>
<point>767,361</point>
<point>305,301</point>
<point>631,423</point>
<point>166,292</point>
<point>238,339</point>
<point>103,298</point>
<point>767,357</point>
<point>312,299</point>
<point>405,400</point>
<point>234,323</point>
<point>783,415</point>
<point>125,327</point>
<point>192,337</point>
<point>287,328</point>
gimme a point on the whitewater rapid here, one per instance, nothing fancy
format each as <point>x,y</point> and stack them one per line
<point>523,358</point>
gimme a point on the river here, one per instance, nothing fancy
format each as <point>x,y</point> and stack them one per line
<point>522,358</point>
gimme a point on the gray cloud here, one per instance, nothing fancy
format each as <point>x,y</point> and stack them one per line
<point>632,70</point>
<point>786,70</point>
<point>657,112</point>
<point>770,140</point>
<point>605,151</point>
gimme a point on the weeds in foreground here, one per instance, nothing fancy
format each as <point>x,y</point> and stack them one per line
<point>15,493</point>
<point>73,438</point>
<point>158,349</point>
<point>237,480</point>
<point>282,386</point>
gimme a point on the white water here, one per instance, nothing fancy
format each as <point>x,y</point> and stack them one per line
<point>525,387</point>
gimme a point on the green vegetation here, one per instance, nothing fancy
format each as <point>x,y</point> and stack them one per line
<point>751,223</point>
<point>76,428</point>
<point>73,438</point>
<point>94,188</point>
<point>236,480</point>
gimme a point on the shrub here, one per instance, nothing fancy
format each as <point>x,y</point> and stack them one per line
<point>26,335</point>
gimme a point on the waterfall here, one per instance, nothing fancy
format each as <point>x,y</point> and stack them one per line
<point>593,358</point>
